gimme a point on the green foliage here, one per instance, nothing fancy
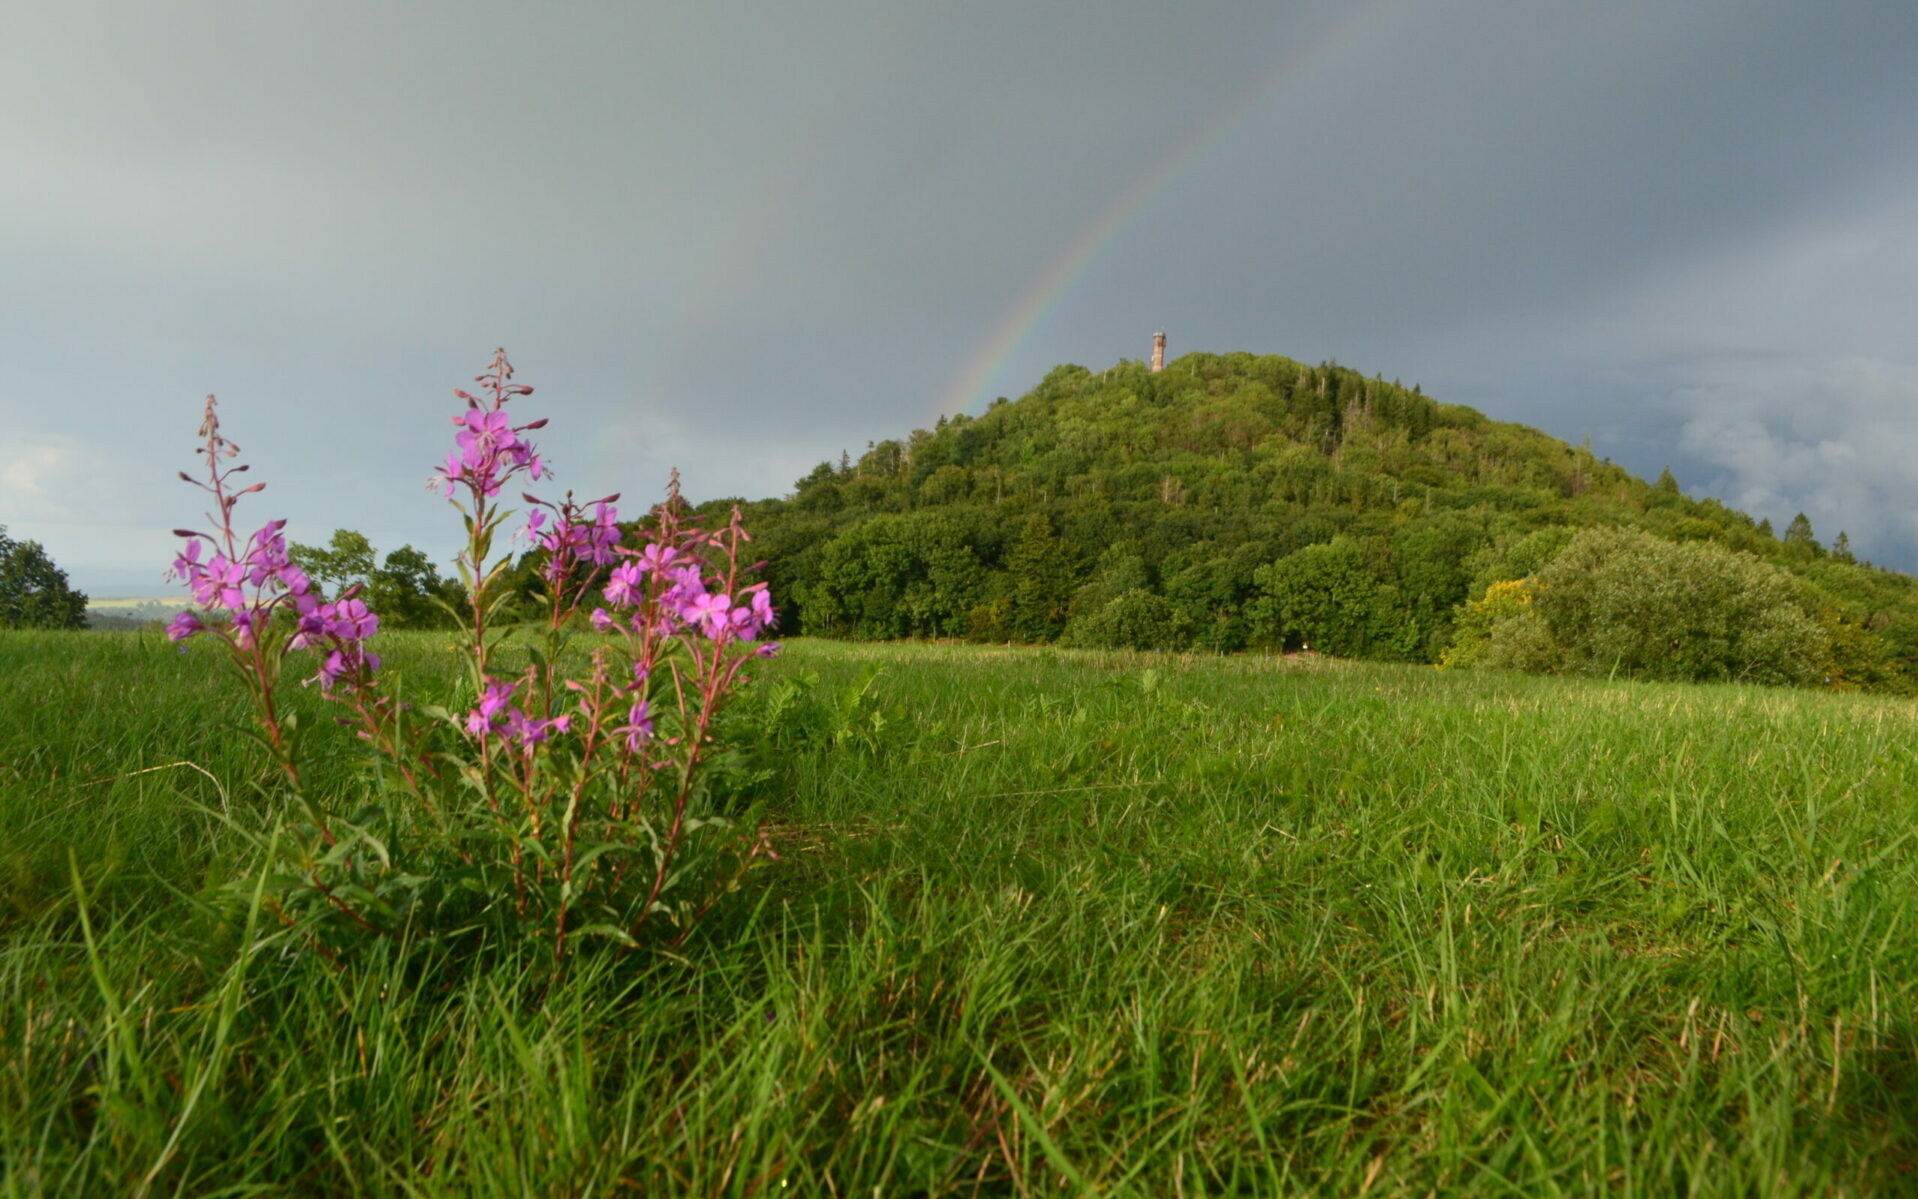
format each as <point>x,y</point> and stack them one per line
<point>34,593</point>
<point>405,589</point>
<point>1185,483</point>
<point>896,576</point>
<point>1332,598</point>
<point>1186,925</point>
<point>1517,557</point>
<point>347,558</point>
<point>1623,601</point>
<point>1135,619</point>
<point>1120,569</point>
<point>1042,568</point>
<point>1496,630</point>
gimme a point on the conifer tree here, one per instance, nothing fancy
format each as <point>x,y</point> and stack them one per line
<point>1044,570</point>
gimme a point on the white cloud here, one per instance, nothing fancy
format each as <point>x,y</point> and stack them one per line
<point>23,479</point>
<point>1833,439</point>
<point>87,503</point>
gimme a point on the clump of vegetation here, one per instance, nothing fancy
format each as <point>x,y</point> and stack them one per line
<point>1501,629</point>
<point>1625,600</point>
<point>1621,601</point>
<point>1046,922</point>
<point>569,797</point>
<point>405,587</point>
<point>34,593</point>
<point>1135,619</point>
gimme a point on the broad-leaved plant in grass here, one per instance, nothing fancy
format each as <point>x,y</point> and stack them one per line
<point>569,795</point>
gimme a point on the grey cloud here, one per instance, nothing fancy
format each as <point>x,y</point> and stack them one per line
<point>737,237</point>
<point>1835,440</point>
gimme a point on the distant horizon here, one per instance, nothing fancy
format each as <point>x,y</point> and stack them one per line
<point>122,584</point>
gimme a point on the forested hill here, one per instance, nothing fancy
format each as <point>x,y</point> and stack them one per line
<point>1235,501</point>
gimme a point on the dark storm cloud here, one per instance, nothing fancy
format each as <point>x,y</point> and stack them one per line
<point>739,237</point>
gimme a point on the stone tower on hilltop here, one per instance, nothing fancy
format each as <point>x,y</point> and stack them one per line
<point>1158,351</point>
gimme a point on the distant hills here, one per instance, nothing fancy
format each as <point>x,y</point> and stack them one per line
<point>1173,510</point>
<point>132,612</point>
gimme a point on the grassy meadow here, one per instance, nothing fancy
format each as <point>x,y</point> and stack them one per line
<point>1043,923</point>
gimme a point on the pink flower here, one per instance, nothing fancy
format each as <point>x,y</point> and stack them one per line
<point>656,557</point>
<point>187,564</point>
<point>310,631</point>
<point>623,591</point>
<point>349,620</point>
<point>347,660</point>
<point>485,718</point>
<point>490,451</point>
<point>602,536</point>
<point>638,727</point>
<point>218,583</point>
<point>750,621</point>
<point>526,732</point>
<point>711,612</point>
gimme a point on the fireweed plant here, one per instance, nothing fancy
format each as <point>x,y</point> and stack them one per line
<point>570,799</point>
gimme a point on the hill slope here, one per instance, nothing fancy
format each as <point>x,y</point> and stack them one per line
<point>1167,510</point>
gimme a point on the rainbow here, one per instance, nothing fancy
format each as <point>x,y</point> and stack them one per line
<point>741,242</point>
<point>1042,296</point>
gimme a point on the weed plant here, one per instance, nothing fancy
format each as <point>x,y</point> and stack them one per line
<point>1043,922</point>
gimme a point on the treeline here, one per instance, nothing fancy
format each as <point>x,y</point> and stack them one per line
<point>404,587</point>
<point>1237,502</point>
<point>34,593</point>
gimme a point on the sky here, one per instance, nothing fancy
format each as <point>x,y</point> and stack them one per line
<point>738,238</point>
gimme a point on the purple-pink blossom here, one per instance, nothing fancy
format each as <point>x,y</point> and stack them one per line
<point>638,727</point>
<point>753,618</point>
<point>687,582</point>
<point>711,611</point>
<point>656,557</point>
<point>346,660</point>
<point>187,563</point>
<point>349,619</point>
<point>261,580</point>
<point>602,536</point>
<point>623,589</point>
<point>309,631</point>
<point>486,717</point>
<point>528,732</point>
<point>489,451</point>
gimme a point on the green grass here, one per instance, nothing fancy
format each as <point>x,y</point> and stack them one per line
<point>1044,923</point>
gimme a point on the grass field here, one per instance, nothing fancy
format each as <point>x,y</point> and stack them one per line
<point>1044,923</point>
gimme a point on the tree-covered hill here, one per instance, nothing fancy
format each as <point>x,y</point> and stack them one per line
<point>1236,501</point>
